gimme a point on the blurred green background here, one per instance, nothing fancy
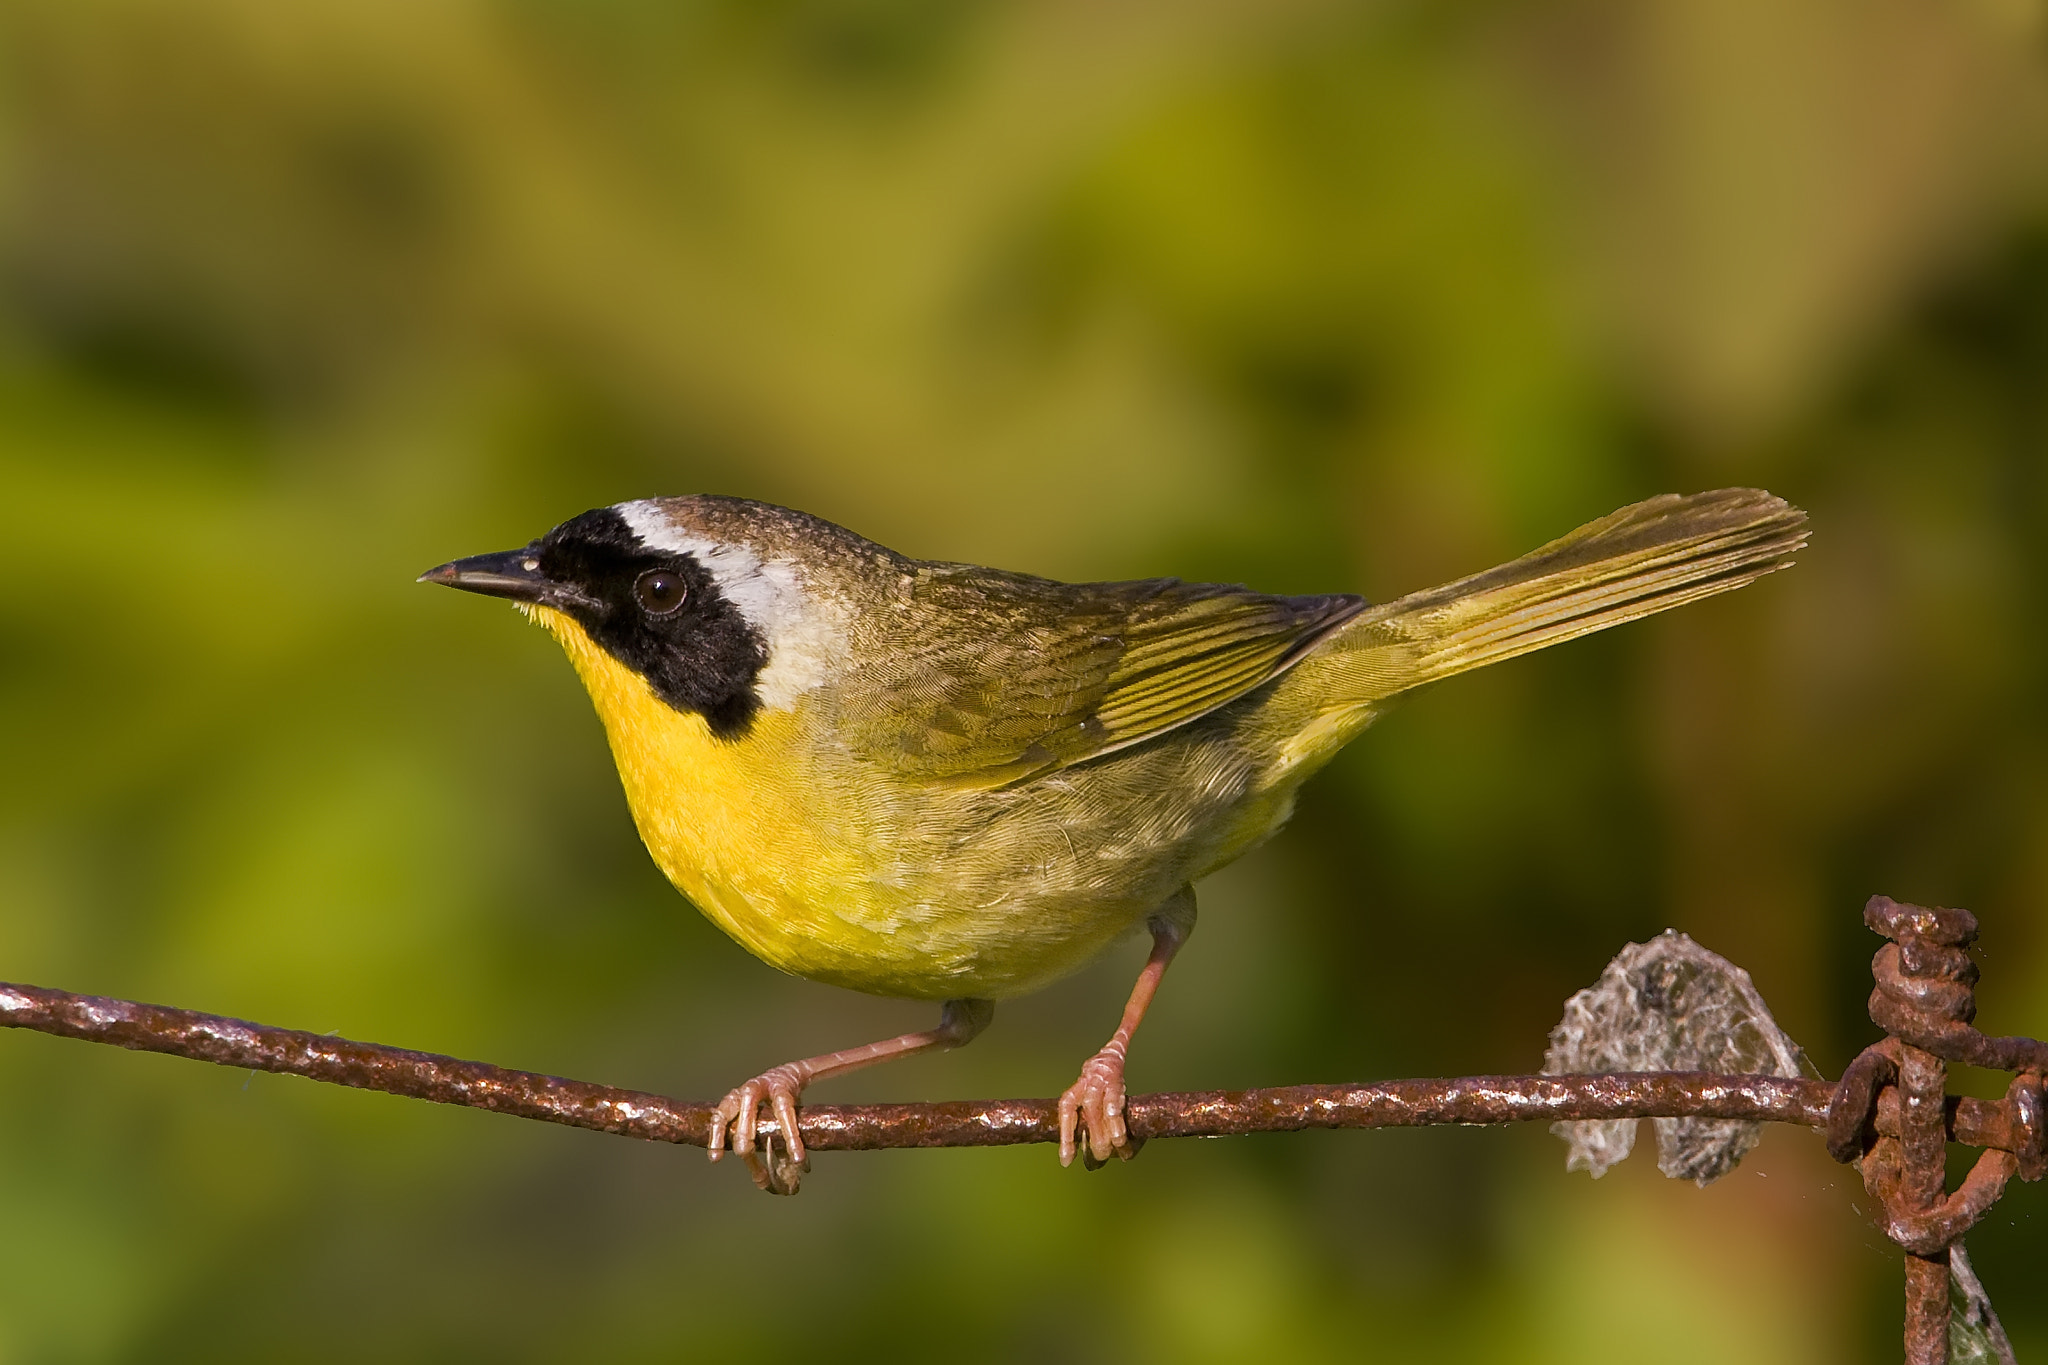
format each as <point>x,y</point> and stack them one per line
<point>298,300</point>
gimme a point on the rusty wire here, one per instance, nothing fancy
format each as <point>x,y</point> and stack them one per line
<point>1925,1000</point>
<point>958,1123</point>
<point>966,1123</point>
<point>1889,1113</point>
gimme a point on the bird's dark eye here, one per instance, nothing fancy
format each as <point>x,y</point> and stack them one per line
<point>660,592</point>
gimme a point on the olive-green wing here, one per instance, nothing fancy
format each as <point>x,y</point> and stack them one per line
<point>994,678</point>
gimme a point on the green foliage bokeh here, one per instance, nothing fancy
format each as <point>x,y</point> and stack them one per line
<point>297,301</point>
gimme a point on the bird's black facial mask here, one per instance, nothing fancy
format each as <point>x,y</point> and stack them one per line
<point>659,613</point>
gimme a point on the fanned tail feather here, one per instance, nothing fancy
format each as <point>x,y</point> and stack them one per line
<point>1645,558</point>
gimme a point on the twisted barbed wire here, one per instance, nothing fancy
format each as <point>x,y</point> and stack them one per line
<point>1925,1001</point>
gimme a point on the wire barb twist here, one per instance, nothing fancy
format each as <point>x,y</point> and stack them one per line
<point>1925,1001</point>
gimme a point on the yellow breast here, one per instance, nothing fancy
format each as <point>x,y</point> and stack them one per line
<point>810,862</point>
<point>731,822</point>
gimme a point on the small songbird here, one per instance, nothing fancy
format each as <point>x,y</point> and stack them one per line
<point>943,782</point>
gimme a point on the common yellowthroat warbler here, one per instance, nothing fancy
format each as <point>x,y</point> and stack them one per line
<point>944,782</point>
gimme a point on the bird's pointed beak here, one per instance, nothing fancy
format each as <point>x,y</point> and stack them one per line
<point>510,573</point>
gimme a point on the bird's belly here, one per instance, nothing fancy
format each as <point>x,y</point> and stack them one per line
<point>833,872</point>
<point>921,949</point>
<point>953,896</point>
<point>956,903</point>
<point>924,894</point>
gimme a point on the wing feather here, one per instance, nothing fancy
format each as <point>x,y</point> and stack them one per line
<point>1010,676</point>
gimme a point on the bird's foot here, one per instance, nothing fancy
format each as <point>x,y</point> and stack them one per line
<point>776,1170</point>
<point>1096,1102</point>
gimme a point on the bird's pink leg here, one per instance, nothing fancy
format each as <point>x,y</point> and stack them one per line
<point>778,1088</point>
<point>1096,1101</point>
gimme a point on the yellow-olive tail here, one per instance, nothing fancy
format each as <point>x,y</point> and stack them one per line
<point>1646,558</point>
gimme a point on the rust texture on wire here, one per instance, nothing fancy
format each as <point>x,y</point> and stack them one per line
<point>1925,1000</point>
<point>959,1123</point>
<point>1890,1113</point>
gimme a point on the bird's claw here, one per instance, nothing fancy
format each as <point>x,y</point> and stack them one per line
<point>1096,1102</point>
<point>776,1170</point>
